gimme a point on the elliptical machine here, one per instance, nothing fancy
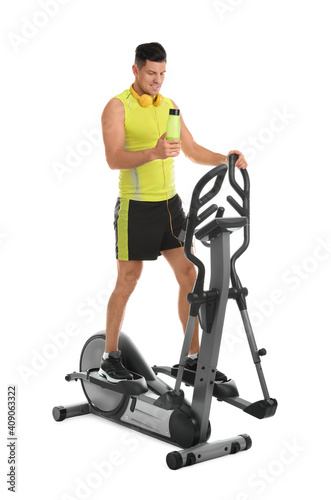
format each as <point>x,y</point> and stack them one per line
<point>147,403</point>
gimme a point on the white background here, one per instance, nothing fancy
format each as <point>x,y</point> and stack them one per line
<point>233,67</point>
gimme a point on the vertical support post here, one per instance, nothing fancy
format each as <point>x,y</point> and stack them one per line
<point>210,342</point>
<point>185,350</point>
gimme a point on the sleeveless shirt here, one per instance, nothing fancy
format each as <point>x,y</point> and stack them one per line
<point>155,180</point>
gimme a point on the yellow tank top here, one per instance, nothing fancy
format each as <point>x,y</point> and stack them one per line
<point>155,180</point>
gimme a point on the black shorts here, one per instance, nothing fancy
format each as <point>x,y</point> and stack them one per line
<point>143,228</point>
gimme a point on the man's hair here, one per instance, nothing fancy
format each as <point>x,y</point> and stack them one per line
<point>152,51</point>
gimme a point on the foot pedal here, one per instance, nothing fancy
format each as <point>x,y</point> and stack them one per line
<point>128,387</point>
<point>262,409</point>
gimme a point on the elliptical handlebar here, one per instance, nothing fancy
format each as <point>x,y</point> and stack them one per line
<point>244,211</point>
<point>242,192</point>
<point>196,201</point>
<point>193,220</point>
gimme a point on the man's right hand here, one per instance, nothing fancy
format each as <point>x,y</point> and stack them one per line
<point>166,148</point>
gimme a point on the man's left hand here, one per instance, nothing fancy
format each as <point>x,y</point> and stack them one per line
<point>241,162</point>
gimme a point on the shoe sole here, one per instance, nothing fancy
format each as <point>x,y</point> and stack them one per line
<point>105,375</point>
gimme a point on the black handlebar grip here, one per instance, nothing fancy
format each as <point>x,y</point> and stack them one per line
<point>206,213</point>
<point>196,201</point>
<point>234,204</point>
<point>232,160</point>
<point>243,193</point>
<point>193,220</point>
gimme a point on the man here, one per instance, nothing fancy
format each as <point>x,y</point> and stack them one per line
<point>148,213</point>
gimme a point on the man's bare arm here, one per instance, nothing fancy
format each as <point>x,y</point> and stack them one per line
<point>113,131</point>
<point>196,153</point>
<point>200,155</point>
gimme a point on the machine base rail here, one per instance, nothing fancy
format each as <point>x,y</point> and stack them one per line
<point>208,451</point>
<point>60,413</point>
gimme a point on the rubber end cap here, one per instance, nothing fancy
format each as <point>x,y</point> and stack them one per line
<point>59,413</point>
<point>248,440</point>
<point>174,460</point>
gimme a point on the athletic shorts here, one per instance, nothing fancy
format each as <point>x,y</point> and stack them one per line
<point>143,227</point>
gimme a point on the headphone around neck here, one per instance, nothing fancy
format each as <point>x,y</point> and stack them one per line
<point>146,100</point>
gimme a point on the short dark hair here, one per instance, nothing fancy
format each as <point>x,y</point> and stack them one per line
<point>152,51</point>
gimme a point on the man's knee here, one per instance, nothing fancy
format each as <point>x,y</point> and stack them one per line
<point>187,276</point>
<point>127,279</point>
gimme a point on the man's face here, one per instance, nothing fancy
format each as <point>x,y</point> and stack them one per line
<point>150,77</point>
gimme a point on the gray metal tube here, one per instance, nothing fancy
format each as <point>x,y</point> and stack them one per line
<point>185,350</point>
<point>254,351</point>
<point>210,342</point>
<point>208,451</point>
<point>62,412</point>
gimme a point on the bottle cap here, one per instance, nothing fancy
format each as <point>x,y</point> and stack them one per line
<point>174,112</point>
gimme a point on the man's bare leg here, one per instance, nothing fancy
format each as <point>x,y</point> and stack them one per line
<point>129,273</point>
<point>186,275</point>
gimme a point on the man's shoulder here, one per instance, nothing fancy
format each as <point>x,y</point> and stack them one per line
<point>118,100</point>
<point>114,106</point>
<point>168,101</point>
<point>123,96</point>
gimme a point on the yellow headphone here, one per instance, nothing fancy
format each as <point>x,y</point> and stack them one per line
<point>146,100</point>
